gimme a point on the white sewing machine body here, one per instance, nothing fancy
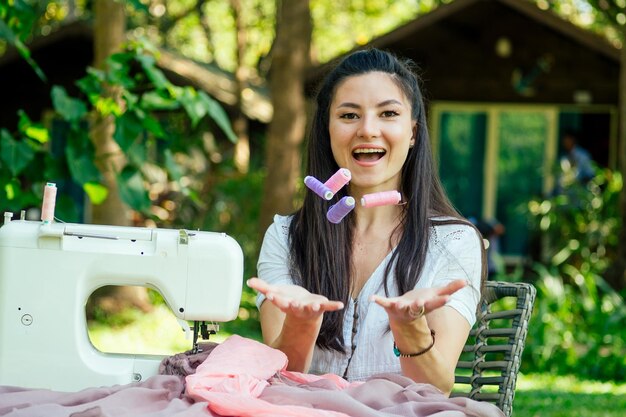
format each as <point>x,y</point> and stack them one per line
<point>48,271</point>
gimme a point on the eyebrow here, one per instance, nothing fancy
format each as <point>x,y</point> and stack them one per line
<point>381,104</point>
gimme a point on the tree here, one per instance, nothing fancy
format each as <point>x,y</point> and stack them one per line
<point>109,37</point>
<point>240,122</point>
<point>289,60</point>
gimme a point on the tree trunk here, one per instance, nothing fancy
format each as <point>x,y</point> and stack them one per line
<point>109,35</point>
<point>290,59</point>
<point>240,123</point>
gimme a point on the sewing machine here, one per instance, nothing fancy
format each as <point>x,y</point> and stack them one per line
<point>48,271</point>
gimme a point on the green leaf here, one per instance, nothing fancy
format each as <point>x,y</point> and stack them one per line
<point>81,165</point>
<point>217,113</point>
<point>97,193</point>
<point>132,190</point>
<point>195,108</point>
<point>70,109</point>
<point>119,68</point>
<point>16,155</point>
<point>154,100</point>
<point>90,84</point>
<point>32,130</point>
<point>153,125</point>
<point>107,106</point>
<point>127,128</point>
<point>7,33</point>
<point>155,75</point>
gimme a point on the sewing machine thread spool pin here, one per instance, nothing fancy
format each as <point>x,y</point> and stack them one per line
<point>49,200</point>
<point>7,217</point>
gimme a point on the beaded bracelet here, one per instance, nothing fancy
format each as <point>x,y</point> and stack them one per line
<point>399,354</point>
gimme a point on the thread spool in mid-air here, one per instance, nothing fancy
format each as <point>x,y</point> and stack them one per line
<point>318,187</point>
<point>338,211</point>
<point>383,198</point>
<point>338,180</point>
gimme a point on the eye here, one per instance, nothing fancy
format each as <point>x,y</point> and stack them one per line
<point>349,116</point>
<point>390,113</point>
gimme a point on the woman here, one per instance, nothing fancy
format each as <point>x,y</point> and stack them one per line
<point>391,288</point>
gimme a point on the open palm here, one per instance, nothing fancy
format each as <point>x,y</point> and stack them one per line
<point>405,307</point>
<point>295,300</point>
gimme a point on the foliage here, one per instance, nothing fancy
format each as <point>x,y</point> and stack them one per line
<point>577,324</point>
<point>605,17</point>
<point>156,123</point>
<point>17,19</point>
<point>205,30</point>
<point>548,395</point>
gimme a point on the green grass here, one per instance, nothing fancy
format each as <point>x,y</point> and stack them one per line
<point>537,395</point>
<point>542,395</point>
<point>156,333</point>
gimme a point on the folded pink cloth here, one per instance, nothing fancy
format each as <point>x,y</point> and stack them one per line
<point>237,371</point>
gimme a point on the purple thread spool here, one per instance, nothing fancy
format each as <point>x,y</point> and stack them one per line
<point>338,180</point>
<point>382,198</point>
<point>318,188</point>
<point>338,211</point>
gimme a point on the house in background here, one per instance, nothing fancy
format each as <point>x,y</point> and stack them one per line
<point>503,79</point>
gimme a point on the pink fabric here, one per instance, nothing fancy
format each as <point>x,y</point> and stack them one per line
<point>236,373</point>
<point>228,383</point>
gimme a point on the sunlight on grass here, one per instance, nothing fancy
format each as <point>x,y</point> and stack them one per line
<point>567,384</point>
<point>156,333</point>
<point>543,395</point>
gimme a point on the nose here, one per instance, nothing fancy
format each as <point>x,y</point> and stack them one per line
<point>369,127</point>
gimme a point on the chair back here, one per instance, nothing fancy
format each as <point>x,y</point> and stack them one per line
<point>488,367</point>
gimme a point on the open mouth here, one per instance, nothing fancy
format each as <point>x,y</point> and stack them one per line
<point>368,154</point>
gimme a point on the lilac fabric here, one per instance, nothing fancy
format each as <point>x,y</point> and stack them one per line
<point>183,364</point>
<point>159,396</point>
<point>388,395</point>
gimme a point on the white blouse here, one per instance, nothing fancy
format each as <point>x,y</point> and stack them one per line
<point>453,253</point>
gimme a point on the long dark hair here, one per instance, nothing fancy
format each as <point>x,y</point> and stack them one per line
<point>321,252</point>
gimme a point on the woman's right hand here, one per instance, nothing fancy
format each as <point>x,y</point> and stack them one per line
<point>294,300</point>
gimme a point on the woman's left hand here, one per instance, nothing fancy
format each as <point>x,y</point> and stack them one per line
<point>417,302</point>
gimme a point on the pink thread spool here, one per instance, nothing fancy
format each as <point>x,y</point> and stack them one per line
<point>382,198</point>
<point>318,188</point>
<point>338,211</point>
<point>338,180</point>
<point>49,200</point>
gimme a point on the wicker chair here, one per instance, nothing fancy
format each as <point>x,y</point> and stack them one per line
<point>489,364</point>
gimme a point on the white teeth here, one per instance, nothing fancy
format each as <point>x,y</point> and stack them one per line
<point>369,150</point>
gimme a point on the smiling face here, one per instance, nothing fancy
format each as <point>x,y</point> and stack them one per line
<point>371,131</point>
